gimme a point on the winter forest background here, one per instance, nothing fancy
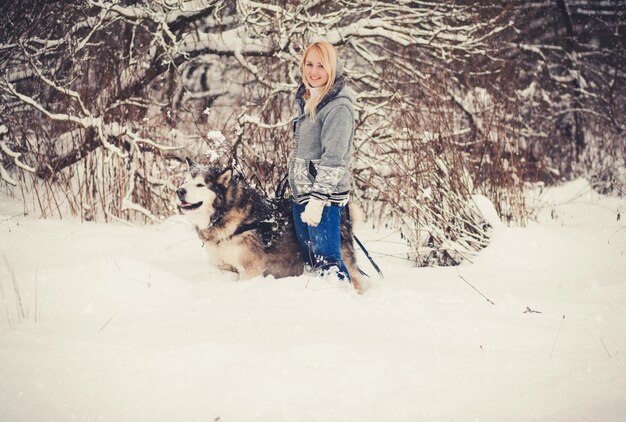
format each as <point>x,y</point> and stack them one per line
<point>102,100</point>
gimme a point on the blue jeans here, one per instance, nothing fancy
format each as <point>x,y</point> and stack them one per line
<point>321,245</point>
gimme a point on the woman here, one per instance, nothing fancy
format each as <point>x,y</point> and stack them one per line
<point>319,174</point>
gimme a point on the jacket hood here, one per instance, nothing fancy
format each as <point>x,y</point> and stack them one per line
<point>340,66</point>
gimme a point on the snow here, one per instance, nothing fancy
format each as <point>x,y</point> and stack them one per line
<point>216,137</point>
<point>488,210</point>
<point>122,323</point>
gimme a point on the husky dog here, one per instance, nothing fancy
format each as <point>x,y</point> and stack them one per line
<point>244,231</point>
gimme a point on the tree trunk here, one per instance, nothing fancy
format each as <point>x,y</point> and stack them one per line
<point>571,63</point>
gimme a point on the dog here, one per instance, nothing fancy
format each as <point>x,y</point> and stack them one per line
<point>244,231</point>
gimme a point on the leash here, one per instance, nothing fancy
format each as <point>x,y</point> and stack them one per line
<point>281,187</point>
<point>367,254</point>
<point>380,273</point>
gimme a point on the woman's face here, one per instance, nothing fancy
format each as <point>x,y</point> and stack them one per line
<point>314,71</point>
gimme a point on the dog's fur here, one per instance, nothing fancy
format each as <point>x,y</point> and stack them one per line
<point>244,231</point>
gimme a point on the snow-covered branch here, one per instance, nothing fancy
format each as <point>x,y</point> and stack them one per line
<point>125,86</point>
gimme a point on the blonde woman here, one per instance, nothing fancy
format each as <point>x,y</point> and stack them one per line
<point>319,174</point>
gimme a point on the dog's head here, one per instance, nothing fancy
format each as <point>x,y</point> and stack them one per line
<point>202,187</point>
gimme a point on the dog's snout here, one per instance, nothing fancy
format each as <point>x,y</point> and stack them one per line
<point>180,192</point>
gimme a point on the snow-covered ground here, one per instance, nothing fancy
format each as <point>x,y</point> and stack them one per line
<point>105,322</point>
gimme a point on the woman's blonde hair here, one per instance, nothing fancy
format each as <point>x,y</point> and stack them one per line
<point>328,56</point>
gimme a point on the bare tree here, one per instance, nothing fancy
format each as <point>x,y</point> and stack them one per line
<point>102,99</point>
<point>562,72</point>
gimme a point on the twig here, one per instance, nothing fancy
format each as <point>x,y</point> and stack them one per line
<point>614,233</point>
<point>531,311</point>
<point>393,256</point>
<point>6,306</point>
<point>470,284</point>
<point>23,214</point>
<point>106,323</point>
<point>605,348</point>
<point>17,291</point>
<point>558,333</point>
<point>36,296</point>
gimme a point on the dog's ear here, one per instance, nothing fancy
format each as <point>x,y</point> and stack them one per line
<point>190,163</point>
<point>225,178</point>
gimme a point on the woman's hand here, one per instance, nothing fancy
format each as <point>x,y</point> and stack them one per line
<point>312,213</point>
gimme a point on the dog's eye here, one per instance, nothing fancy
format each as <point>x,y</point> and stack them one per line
<point>200,185</point>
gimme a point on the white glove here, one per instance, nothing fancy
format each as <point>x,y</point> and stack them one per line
<point>312,213</point>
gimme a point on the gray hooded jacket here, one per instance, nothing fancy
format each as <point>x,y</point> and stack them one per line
<point>319,164</point>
